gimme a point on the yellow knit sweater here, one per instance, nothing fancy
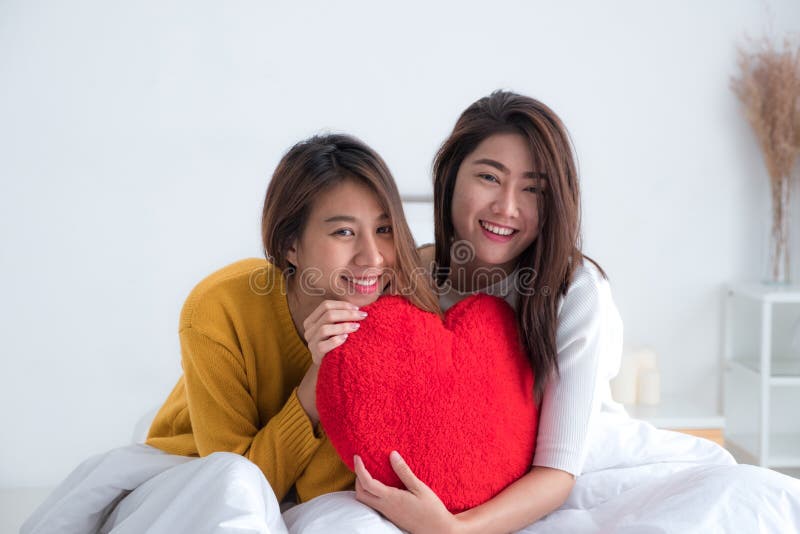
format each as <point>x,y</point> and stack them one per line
<point>242,362</point>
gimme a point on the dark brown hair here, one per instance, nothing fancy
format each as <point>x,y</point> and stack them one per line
<point>555,254</point>
<point>313,166</point>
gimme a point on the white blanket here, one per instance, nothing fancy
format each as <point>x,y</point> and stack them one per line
<point>637,479</point>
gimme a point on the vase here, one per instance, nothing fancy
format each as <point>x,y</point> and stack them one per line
<point>779,262</point>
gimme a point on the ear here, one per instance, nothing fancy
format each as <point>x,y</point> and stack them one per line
<point>291,254</point>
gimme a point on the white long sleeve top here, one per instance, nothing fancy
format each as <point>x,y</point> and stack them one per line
<point>589,344</point>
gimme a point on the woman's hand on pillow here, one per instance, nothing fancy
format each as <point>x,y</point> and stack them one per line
<point>328,325</point>
<point>325,329</point>
<point>416,509</point>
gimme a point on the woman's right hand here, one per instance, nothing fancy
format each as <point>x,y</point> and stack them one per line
<point>325,329</point>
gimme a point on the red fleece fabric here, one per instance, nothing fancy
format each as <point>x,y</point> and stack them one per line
<point>455,399</point>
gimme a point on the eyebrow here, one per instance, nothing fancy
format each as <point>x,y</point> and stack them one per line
<point>351,219</point>
<point>502,168</point>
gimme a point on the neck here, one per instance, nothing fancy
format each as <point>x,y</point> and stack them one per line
<point>300,305</point>
<point>476,275</point>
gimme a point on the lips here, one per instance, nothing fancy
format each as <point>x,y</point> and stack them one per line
<point>497,229</point>
<point>364,285</point>
<point>497,232</point>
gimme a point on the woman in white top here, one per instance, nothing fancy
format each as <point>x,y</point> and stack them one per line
<point>507,222</point>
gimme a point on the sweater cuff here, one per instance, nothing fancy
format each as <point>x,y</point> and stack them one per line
<point>296,432</point>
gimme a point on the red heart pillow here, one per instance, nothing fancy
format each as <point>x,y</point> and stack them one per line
<point>455,399</point>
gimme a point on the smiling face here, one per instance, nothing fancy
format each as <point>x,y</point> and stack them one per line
<point>346,249</point>
<point>496,201</point>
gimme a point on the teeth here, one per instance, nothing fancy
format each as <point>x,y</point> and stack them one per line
<point>364,281</point>
<point>496,229</point>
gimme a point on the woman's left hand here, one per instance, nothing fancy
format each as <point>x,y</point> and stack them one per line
<point>416,509</point>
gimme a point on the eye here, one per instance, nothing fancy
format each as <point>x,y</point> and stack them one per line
<point>346,232</point>
<point>538,187</point>
<point>487,177</point>
<point>385,230</point>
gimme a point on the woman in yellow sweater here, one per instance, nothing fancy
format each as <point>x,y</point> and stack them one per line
<point>333,223</point>
<point>252,337</point>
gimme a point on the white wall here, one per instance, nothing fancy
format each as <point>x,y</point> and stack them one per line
<point>136,141</point>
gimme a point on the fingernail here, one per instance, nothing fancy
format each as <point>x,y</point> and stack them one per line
<point>344,336</point>
<point>362,313</point>
<point>394,455</point>
<point>355,326</point>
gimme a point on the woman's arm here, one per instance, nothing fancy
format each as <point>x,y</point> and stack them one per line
<point>224,415</point>
<point>541,491</point>
<point>418,510</point>
<point>589,345</point>
<point>324,329</point>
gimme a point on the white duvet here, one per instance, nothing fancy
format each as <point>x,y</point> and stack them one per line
<point>636,479</point>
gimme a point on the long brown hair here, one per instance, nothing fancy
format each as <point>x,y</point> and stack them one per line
<point>313,166</point>
<point>556,252</point>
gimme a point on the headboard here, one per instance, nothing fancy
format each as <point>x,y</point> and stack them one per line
<point>419,213</point>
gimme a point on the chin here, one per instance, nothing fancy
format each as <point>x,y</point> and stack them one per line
<point>359,299</point>
<point>493,259</point>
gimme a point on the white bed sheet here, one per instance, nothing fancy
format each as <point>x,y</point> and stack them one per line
<point>637,479</point>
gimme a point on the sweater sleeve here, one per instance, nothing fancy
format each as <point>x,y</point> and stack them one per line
<point>588,337</point>
<point>224,415</point>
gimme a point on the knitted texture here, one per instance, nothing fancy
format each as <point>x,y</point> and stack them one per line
<point>242,361</point>
<point>454,398</point>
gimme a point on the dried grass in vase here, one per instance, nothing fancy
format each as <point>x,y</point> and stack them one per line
<point>769,89</point>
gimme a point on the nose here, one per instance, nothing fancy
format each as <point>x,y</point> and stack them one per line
<point>505,203</point>
<point>369,253</point>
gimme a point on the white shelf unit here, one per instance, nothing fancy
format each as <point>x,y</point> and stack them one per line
<point>762,374</point>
